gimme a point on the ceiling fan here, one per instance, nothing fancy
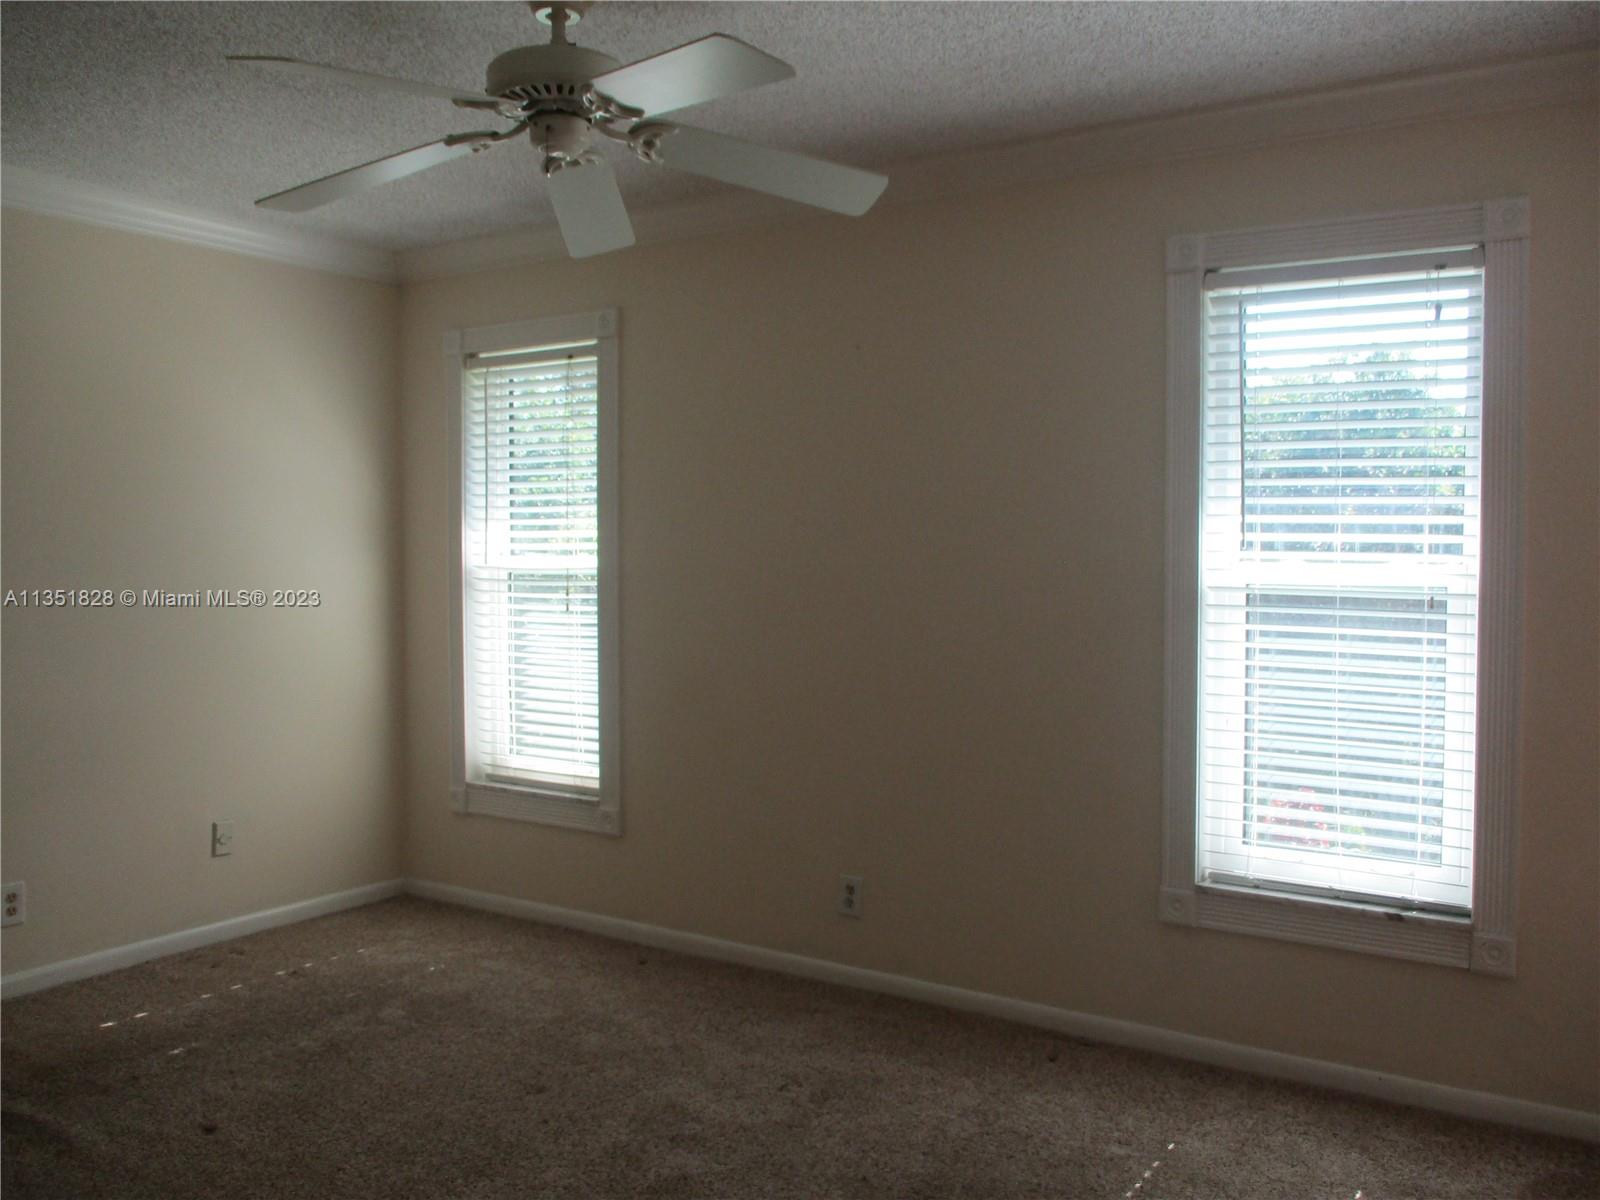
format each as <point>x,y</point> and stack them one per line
<point>562,95</point>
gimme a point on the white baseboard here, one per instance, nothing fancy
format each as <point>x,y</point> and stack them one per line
<point>1398,1089</point>
<point>20,983</point>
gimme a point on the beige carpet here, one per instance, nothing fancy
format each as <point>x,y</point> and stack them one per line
<point>411,1049</point>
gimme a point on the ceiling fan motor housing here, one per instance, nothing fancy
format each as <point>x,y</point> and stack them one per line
<point>550,77</point>
<point>561,137</point>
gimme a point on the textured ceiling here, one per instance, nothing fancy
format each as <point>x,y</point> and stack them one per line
<point>137,98</point>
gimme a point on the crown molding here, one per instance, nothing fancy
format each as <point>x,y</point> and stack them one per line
<point>1378,104</point>
<point>34,191</point>
<point>1565,78</point>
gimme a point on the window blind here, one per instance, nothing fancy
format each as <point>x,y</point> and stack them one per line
<point>1339,571</point>
<point>531,567</point>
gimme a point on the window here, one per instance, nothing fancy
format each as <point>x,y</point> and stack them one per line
<point>535,603</point>
<point>1344,406</point>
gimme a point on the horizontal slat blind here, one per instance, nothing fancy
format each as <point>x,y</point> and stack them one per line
<point>1339,567</point>
<point>531,605</point>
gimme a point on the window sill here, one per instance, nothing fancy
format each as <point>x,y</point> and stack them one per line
<point>1366,928</point>
<point>565,810</point>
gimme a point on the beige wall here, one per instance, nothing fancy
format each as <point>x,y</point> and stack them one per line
<point>892,602</point>
<point>181,418</point>
<point>892,526</point>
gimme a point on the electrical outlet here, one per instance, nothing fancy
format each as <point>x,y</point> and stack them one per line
<point>16,904</point>
<point>221,838</point>
<point>849,895</point>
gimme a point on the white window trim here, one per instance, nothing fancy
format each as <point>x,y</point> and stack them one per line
<point>578,809</point>
<point>1485,942</point>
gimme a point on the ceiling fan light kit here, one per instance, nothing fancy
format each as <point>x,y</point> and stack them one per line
<point>561,95</point>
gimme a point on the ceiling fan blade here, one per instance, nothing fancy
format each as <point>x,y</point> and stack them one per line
<point>710,68</point>
<point>366,79</point>
<point>814,181</point>
<point>589,209</point>
<point>368,175</point>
